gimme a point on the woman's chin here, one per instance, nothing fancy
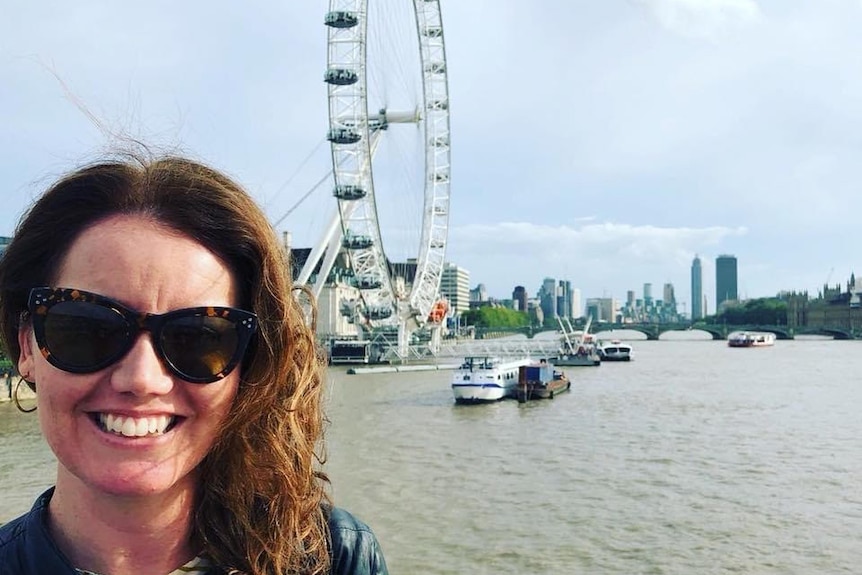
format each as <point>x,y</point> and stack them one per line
<point>134,480</point>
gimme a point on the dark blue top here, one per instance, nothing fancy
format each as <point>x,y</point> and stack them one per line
<point>26,546</point>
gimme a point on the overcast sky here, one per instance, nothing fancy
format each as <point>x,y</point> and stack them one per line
<point>604,142</point>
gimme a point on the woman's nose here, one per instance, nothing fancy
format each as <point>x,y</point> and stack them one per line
<point>142,371</point>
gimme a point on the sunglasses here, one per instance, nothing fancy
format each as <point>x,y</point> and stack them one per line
<point>82,332</point>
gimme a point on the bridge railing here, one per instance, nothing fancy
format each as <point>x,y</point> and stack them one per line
<point>653,331</point>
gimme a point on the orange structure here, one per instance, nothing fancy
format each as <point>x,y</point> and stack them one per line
<point>438,312</point>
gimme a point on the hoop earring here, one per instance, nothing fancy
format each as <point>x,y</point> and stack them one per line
<point>17,399</point>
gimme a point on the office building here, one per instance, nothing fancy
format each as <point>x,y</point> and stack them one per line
<point>455,287</point>
<point>602,309</point>
<point>725,280</point>
<point>519,296</point>
<point>478,295</point>
<point>564,299</point>
<point>577,308</point>
<point>548,297</point>
<point>697,311</point>
<point>669,297</point>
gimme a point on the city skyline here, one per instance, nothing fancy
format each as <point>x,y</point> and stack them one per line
<point>680,304</point>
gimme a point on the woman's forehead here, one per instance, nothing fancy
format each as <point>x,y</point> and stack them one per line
<point>146,265</point>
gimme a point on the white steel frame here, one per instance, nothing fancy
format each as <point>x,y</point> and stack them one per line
<point>353,133</point>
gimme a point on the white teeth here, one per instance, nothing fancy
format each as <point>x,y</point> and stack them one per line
<point>129,428</point>
<point>135,427</point>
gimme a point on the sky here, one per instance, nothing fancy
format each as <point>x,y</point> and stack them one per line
<point>605,143</point>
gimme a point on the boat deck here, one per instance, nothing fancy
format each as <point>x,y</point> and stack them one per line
<point>540,382</point>
<point>537,390</point>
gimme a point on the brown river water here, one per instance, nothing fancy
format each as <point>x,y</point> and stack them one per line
<point>693,458</point>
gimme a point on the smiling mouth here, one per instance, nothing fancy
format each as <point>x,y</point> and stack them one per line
<point>135,426</point>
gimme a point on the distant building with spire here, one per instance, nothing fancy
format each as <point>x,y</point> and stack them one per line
<point>696,289</point>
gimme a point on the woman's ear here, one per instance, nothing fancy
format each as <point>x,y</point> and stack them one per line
<point>26,360</point>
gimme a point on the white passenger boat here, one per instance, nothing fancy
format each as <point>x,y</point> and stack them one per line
<point>751,339</point>
<point>481,379</point>
<point>615,350</point>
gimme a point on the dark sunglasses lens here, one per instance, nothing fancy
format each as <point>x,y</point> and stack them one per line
<point>82,336</point>
<point>199,346</point>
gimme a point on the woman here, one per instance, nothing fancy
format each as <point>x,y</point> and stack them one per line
<point>150,306</point>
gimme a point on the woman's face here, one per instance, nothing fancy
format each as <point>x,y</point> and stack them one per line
<point>146,267</point>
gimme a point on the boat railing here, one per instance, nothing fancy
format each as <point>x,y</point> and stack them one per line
<point>480,362</point>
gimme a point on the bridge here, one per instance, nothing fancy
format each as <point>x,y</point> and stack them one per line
<point>653,331</point>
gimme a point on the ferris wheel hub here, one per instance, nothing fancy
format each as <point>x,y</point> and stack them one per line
<point>399,116</point>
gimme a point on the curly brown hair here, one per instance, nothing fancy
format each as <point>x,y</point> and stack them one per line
<point>262,500</point>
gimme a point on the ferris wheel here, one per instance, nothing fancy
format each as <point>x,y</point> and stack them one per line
<point>375,90</point>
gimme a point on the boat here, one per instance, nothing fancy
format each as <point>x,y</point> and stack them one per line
<point>615,350</point>
<point>483,379</point>
<point>540,381</point>
<point>576,348</point>
<point>751,339</point>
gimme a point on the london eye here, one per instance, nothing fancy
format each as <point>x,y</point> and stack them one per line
<point>388,100</point>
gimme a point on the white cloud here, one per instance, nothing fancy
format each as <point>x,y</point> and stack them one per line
<point>704,18</point>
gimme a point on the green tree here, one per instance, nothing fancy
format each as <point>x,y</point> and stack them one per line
<point>495,317</point>
<point>760,311</point>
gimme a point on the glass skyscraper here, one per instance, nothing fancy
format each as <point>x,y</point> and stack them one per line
<point>696,289</point>
<point>725,280</point>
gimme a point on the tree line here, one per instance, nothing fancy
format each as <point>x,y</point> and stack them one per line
<point>761,311</point>
<point>495,317</point>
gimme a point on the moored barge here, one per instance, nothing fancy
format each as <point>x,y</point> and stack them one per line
<point>540,381</point>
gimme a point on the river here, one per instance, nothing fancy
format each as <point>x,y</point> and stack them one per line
<point>693,458</point>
